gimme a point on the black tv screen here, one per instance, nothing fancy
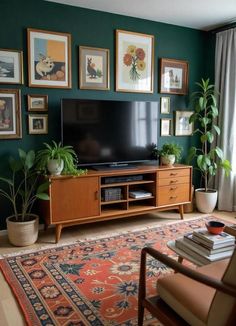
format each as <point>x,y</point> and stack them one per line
<point>109,132</point>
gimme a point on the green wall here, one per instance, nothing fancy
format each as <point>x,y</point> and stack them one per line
<point>95,29</point>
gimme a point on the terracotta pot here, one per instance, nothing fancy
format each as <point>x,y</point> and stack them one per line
<point>22,234</point>
<point>206,201</point>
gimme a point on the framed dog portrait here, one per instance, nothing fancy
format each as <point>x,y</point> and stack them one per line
<point>10,114</point>
<point>11,66</point>
<point>38,124</point>
<point>94,68</point>
<point>173,76</point>
<point>134,62</point>
<point>37,102</point>
<point>49,59</point>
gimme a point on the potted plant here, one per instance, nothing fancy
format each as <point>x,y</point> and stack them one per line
<point>58,159</point>
<point>169,153</point>
<point>22,190</point>
<point>209,158</point>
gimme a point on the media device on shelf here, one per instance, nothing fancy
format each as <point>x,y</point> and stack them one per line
<point>108,133</point>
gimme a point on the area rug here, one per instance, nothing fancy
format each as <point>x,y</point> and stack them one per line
<point>94,282</point>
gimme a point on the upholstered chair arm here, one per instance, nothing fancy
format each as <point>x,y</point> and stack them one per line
<point>193,274</point>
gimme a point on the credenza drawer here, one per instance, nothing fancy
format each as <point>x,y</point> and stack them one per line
<point>175,173</point>
<point>169,195</point>
<point>173,181</point>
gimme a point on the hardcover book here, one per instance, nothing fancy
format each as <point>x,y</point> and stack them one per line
<point>213,241</point>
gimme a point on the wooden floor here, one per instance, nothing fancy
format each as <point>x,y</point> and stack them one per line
<point>10,314</point>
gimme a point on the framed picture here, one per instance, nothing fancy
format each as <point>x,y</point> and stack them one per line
<point>173,76</point>
<point>38,124</point>
<point>182,125</point>
<point>10,114</point>
<point>37,102</point>
<point>165,105</point>
<point>11,66</point>
<point>166,127</point>
<point>134,62</point>
<point>94,68</point>
<point>49,59</point>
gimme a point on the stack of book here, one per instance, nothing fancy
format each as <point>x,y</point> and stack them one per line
<point>207,247</point>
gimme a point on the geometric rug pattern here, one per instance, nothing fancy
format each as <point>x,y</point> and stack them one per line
<point>94,282</point>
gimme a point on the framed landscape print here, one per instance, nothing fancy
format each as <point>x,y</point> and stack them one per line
<point>165,105</point>
<point>49,59</point>
<point>94,68</point>
<point>166,127</point>
<point>173,76</point>
<point>38,124</point>
<point>10,114</point>
<point>134,62</point>
<point>182,125</point>
<point>37,102</point>
<point>11,66</point>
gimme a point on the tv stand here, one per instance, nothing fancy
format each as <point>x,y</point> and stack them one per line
<point>111,194</point>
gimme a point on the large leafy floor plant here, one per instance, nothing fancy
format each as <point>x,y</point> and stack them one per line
<point>209,158</point>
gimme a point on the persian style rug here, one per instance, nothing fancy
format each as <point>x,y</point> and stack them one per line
<point>94,282</point>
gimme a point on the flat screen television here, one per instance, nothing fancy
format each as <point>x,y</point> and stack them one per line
<point>111,133</point>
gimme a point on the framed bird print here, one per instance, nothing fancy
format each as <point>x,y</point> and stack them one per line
<point>94,68</point>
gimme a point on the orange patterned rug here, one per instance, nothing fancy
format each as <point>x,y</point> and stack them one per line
<point>94,282</point>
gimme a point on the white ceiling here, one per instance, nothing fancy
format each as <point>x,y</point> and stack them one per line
<point>198,14</point>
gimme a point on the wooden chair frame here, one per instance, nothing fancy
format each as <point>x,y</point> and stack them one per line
<point>157,307</point>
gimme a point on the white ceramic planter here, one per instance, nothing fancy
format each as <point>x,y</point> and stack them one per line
<point>206,201</point>
<point>55,167</point>
<point>22,234</point>
<point>168,160</point>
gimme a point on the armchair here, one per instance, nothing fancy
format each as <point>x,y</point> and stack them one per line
<point>196,297</point>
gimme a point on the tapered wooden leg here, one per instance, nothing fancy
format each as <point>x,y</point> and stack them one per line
<point>181,211</point>
<point>58,232</point>
<point>140,315</point>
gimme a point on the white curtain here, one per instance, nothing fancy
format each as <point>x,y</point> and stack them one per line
<point>225,83</point>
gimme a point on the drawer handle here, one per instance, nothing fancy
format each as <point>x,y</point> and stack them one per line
<point>173,174</point>
<point>173,181</point>
<point>173,188</point>
<point>173,197</point>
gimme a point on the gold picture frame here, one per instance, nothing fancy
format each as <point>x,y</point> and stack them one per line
<point>49,59</point>
<point>37,102</point>
<point>11,67</point>
<point>10,114</point>
<point>38,124</point>
<point>182,125</point>
<point>173,76</point>
<point>166,127</point>
<point>134,62</point>
<point>94,68</point>
<point>165,105</point>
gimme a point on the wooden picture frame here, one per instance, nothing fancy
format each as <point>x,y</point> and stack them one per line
<point>11,66</point>
<point>49,59</point>
<point>166,127</point>
<point>173,76</point>
<point>182,125</point>
<point>134,62</point>
<point>94,68</point>
<point>165,105</point>
<point>10,114</point>
<point>37,102</point>
<point>38,124</point>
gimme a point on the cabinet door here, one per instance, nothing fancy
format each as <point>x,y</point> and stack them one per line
<point>74,198</point>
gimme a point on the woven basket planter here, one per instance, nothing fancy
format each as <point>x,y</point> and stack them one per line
<point>22,234</point>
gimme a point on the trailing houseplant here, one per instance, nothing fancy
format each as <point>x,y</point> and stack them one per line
<point>58,159</point>
<point>22,190</point>
<point>169,153</point>
<point>209,158</point>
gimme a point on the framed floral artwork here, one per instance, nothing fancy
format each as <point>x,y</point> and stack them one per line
<point>49,59</point>
<point>134,62</point>
<point>166,127</point>
<point>11,66</point>
<point>173,76</point>
<point>10,114</point>
<point>94,68</point>
<point>182,125</point>
<point>38,124</point>
<point>165,105</point>
<point>37,102</point>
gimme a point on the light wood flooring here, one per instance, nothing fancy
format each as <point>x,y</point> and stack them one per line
<point>10,314</point>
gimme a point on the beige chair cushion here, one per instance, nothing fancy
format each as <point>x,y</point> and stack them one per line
<point>191,299</point>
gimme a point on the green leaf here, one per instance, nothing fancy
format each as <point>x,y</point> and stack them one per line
<point>210,137</point>
<point>8,181</point>
<point>214,111</point>
<point>203,138</point>
<point>43,187</point>
<point>29,160</point>
<point>42,196</point>
<point>217,129</point>
<point>219,152</point>
<point>22,154</point>
<point>191,154</point>
<point>225,164</point>
<point>201,102</point>
<point>205,121</point>
<point>15,165</point>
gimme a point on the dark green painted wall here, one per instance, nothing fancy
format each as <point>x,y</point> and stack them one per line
<point>95,29</point>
